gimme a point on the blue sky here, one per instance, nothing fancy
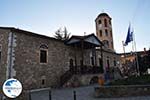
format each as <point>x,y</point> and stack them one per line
<point>46,16</point>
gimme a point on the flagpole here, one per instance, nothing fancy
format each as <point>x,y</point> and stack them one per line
<point>131,37</point>
<point>133,48</point>
<point>133,52</point>
<point>124,50</point>
<point>137,62</point>
<point>123,44</point>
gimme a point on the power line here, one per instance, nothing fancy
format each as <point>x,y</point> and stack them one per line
<point>137,10</point>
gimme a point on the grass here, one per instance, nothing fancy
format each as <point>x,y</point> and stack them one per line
<point>133,80</point>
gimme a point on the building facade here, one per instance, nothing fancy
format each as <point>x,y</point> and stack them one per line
<point>39,61</point>
<point>104,30</point>
<point>130,66</point>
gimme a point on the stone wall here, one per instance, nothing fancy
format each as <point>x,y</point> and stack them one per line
<point>82,80</point>
<point>111,56</point>
<point>28,68</point>
<point>3,61</point>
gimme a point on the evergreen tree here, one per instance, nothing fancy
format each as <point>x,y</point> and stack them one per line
<point>58,34</point>
<point>62,34</point>
<point>66,34</point>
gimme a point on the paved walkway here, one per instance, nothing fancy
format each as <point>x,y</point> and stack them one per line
<point>87,93</point>
<point>82,93</point>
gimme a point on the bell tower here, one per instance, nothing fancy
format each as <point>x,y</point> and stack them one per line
<point>104,30</point>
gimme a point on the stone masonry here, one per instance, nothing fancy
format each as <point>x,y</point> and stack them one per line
<point>26,66</point>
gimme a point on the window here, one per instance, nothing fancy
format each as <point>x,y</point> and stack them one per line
<point>107,43</point>
<point>108,65</point>
<point>43,81</point>
<point>100,62</point>
<point>110,21</point>
<point>43,53</point>
<point>43,56</point>
<point>105,22</point>
<point>100,33</point>
<point>106,32</point>
<point>99,22</point>
<point>92,61</point>
<point>111,33</point>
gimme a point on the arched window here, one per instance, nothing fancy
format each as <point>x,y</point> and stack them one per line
<point>43,80</point>
<point>105,22</point>
<point>43,53</point>
<point>43,46</point>
<point>110,33</point>
<point>106,32</point>
<point>99,22</point>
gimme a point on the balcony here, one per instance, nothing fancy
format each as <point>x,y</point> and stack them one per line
<point>86,69</point>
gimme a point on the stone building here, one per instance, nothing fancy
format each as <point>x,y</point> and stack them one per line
<point>105,34</point>
<point>39,61</point>
<point>104,30</point>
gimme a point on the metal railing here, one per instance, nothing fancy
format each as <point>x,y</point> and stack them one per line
<point>49,96</point>
<point>79,70</point>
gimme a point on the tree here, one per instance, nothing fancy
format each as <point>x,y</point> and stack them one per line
<point>66,34</point>
<point>62,34</point>
<point>144,62</point>
<point>58,34</point>
<point>149,56</point>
